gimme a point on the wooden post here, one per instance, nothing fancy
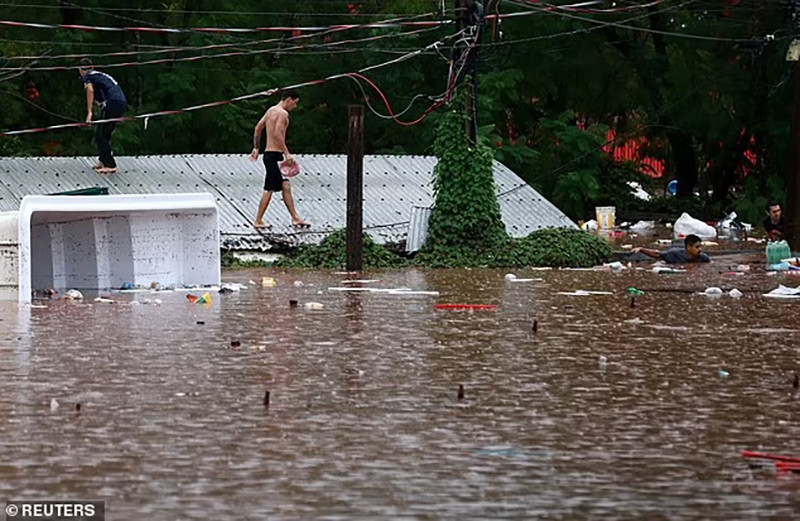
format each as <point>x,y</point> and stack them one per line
<point>355,188</point>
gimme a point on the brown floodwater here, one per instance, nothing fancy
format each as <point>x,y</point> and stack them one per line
<point>605,412</point>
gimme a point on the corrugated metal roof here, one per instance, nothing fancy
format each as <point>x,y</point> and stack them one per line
<point>418,228</point>
<point>393,186</point>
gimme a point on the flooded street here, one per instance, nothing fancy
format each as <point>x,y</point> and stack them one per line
<point>605,412</point>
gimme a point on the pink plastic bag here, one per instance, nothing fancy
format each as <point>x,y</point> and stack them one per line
<point>290,169</point>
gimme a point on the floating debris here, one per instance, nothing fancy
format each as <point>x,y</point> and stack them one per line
<point>204,299</point>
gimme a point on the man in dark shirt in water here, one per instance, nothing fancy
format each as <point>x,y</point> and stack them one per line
<point>775,223</point>
<point>691,252</point>
<point>103,89</point>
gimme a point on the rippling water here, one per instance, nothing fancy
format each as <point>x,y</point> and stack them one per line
<point>605,412</point>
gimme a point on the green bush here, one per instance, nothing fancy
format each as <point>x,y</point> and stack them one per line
<point>331,253</point>
<point>557,247</point>
<point>229,260</point>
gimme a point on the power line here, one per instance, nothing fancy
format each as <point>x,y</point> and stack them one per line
<point>37,106</point>
<point>222,55</point>
<point>51,42</point>
<point>203,12</point>
<point>233,30</point>
<point>633,28</point>
<point>578,31</point>
<point>330,30</point>
<point>146,117</point>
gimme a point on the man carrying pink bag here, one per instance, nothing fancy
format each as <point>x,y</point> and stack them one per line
<point>278,170</point>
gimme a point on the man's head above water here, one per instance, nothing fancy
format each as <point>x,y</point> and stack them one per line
<point>693,245</point>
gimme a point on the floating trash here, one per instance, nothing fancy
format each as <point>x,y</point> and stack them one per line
<point>584,293</point>
<point>664,270</point>
<point>204,299</point>
<point>784,292</point>
<point>475,307</point>
<point>73,294</point>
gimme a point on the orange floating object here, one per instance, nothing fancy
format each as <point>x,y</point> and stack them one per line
<point>476,307</point>
<point>205,299</point>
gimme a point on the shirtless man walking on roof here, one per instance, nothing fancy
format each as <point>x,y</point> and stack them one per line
<point>276,121</point>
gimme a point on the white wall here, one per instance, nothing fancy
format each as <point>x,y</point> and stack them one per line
<point>103,242</point>
<point>9,255</point>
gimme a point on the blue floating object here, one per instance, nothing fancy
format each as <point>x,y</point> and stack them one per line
<point>127,285</point>
<point>724,374</point>
<point>672,187</point>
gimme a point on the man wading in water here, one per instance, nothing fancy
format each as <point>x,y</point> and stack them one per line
<point>276,121</point>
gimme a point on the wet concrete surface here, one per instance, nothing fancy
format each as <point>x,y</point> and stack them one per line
<point>605,412</point>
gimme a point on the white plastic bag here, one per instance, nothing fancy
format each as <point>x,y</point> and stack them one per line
<point>687,225</point>
<point>643,227</point>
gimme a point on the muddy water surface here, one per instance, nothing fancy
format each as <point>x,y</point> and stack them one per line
<point>605,412</point>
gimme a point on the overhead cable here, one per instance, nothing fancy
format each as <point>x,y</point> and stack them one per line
<point>270,92</point>
<point>223,55</point>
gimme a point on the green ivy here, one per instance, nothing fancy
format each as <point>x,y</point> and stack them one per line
<point>229,260</point>
<point>331,253</point>
<point>557,247</point>
<point>465,226</point>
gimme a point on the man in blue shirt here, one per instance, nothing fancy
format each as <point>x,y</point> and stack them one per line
<point>103,89</point>
<point>691,252</point>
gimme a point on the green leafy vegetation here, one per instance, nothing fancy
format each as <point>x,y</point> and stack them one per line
<point>557,247</point>
<point>331,253</point>
<point>465,225</point>
<point>466,229</point>
<point>231,261</point>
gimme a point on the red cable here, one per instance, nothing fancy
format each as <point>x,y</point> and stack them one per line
<point>389,106</point>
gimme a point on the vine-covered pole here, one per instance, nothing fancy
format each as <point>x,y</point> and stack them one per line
<point>355,188</point>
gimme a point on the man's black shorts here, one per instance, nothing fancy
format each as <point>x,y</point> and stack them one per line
<point>273,182</point>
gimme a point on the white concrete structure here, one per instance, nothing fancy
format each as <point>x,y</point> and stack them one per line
<point>9,255</point>
<point>103,242</point>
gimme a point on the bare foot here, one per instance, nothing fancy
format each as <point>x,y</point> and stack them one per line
<point>300,223</point>
<point>106,170</point>
<point>261,225</point>
<point>98,166</point>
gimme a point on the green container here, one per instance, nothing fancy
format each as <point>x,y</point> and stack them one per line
<point>777,251</point>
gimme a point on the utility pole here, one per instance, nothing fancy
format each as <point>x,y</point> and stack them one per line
<point>793,176</point>
<point>355,188</point>
<point>470,13</point>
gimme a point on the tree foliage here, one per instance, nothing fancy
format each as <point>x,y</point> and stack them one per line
<point>715,110</point>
